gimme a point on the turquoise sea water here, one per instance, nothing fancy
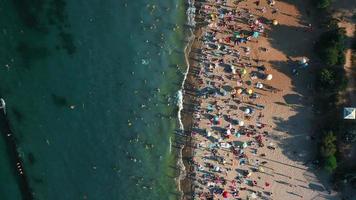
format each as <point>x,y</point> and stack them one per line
<point>80,79</point>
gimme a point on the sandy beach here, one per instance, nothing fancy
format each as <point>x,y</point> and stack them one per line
<point>249,92</point>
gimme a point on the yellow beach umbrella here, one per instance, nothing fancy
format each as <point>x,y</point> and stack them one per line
<point>260,169</point>
<point>249,91</point>
<point>243,71</point>
<point>213,16</point>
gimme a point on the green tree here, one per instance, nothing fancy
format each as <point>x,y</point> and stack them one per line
<point>330,163</point>
<point>322,4</point>
<point>331,47</point>
<point>327,78</point>
<point>328,147</point>
<point>330,55</point>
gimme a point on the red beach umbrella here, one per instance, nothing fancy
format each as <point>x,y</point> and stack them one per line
<point>225,194</point>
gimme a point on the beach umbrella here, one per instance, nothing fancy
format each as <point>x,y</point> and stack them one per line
<point>243,71</point>
<point>228,132</point>
<point>241,123</point>
<point>238,135</point>
<point>255,34</point>
<point>249,174</point>
<point>275,22</point>
<point>253,196</point>
<point>304,60</point>
<point>239,91</point>
<point>225,194</point>
<point>244,145</point>
<point>237,35</point>
<point>208,133</point>
<point>233,69</point>
<point>213,16</point>
<point>217,168</point>
<point>259,85</point>
<point>224,93</point>
<point>271,2</point>
<point>247,111</point>
<point>260,169</point>
<point>249,91</point>
<point>269,77</point>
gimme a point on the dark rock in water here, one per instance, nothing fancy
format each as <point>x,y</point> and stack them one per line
<point>31,159</point>
<point>31,53</point>
<point>59,100</point>
<point>29,12</point>
<point>55,12</point>
<point>67,43</point>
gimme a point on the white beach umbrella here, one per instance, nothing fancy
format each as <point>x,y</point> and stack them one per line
<point>241,123</point>
<point>244,145</point>
<point>233,69</point>
<point>217,168</point>
<point>253,196</point>
<point>269,77</point>
<point>304,60</point>
<point>275,22</point>
<point>259,85</point>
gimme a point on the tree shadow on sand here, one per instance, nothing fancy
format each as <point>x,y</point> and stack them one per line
<point>295,42</point>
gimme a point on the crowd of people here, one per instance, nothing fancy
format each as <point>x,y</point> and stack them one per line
<point>229,130</point>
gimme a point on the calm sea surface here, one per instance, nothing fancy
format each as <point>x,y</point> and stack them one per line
<point>90,91</point>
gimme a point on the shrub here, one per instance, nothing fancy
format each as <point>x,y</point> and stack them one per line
<point>330,55</point>
<point>328,147</point>
<point>326,78</point>
<point>331,79</point>
<point>330,163</point>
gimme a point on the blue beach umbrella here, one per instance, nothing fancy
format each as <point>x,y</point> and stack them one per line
<point>216,118</point>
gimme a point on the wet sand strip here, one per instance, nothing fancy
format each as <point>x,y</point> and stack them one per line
<point>189,101</point>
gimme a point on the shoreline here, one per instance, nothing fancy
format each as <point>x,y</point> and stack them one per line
<point>185,114</point>
<point>186,185</point>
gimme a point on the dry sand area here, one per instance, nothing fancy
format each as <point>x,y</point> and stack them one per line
<point>288,112</point>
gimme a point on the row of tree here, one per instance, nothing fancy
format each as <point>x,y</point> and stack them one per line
<point>330,81</point>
